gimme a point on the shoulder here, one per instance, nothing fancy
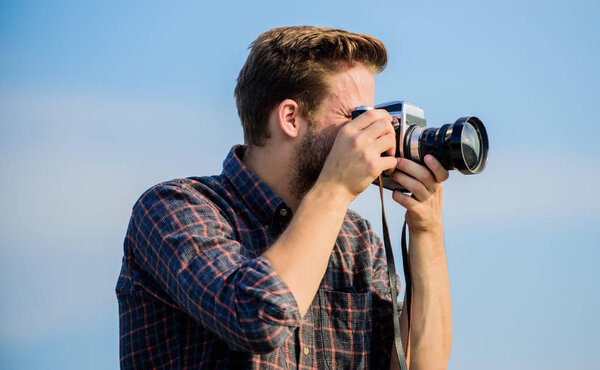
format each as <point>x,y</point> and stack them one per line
<point>174,196</point>
<point>176,211</point>
<point>200,188</point>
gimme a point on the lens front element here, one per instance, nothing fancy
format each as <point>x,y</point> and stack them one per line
<point>466,145</point>
<point>461,146</point>
<point>470,146</point>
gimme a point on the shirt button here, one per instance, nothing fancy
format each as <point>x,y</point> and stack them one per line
<point>283,212</point>
<point>306,350</point>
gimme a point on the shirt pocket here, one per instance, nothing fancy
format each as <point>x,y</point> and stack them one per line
<point>344,319</point>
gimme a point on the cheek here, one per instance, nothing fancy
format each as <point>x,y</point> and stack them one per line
<point>332,130</point>
<point>330,124</point>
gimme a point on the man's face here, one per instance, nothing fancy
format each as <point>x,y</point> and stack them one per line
<point>349,89</point>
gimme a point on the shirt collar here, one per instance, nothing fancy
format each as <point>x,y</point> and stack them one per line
<point>260,199</point>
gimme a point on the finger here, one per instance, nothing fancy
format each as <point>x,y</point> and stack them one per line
<point>417,188</point>
<point>385,165</point>
<point>371,134</point>
<point>404,200</point>
<point>385,145</point>
<point>367,118</point>
<point>439,172</point>
<point>383,129</point>
<point>419,172</point>
<point>379,128</point>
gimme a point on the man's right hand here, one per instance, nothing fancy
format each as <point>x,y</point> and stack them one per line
<point>301,254</point>
<point>355,159</point>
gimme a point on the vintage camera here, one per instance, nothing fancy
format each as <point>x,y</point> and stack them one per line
<point>462,145</point>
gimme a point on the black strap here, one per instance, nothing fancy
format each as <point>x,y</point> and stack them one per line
<point>392,280</point>
<point>407,275</point>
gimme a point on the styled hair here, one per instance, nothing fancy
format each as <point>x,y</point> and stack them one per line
<point>295,63</point>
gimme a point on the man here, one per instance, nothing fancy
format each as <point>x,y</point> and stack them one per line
<point>264,266</point>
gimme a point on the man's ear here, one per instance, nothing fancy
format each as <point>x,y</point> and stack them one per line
<point>289,119</point>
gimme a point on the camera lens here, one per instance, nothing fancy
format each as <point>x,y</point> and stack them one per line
<point>465,145</point>
<point>462,146</point>
<point>470,146</point>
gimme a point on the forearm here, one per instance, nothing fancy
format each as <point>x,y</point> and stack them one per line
<point>431,321</point>
<point>301,254</point>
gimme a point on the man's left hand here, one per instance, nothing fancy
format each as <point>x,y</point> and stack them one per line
<point>424,207</point>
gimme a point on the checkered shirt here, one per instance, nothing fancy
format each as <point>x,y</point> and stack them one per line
<point>195,291</point>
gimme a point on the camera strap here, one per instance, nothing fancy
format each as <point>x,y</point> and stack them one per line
<point>403,360</point>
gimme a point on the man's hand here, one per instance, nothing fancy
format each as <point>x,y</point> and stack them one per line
<point>431,319</point>
<point>424,207</point>
<point>355,159</point>
<point>301,253</point>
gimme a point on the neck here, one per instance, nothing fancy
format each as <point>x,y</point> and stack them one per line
<point>274,167</point>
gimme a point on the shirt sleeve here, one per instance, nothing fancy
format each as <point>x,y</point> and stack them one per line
<point>186,244</point>
<point>383,326</point>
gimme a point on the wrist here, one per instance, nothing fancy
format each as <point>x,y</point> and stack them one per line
<point>432,228</point>
<point>427,223</point>
<point>331,193</point>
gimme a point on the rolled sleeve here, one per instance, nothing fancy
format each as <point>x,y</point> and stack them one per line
<point>185,242</point>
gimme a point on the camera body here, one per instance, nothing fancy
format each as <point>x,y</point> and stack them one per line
<point>462,145</point>
<point>403,114</point>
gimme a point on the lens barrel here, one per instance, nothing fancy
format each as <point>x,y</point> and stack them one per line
<point>462,145</point>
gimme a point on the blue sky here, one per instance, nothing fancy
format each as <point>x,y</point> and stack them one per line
<point>101,100</point>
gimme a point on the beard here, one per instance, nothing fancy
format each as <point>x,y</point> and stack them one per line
<point>310,158</point>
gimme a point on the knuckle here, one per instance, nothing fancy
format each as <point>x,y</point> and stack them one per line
<point>364,155</point>
<point>382,113</point>
<point>388,117</point>
<point>343,132</point>
<point>400,163</point>
<point>410,186</point>
<point>391,129</point>
<point>371,114</point>
<point>396,176</point>
<point>355,142</point>
<point>421,189</point>
<point>391,140</point>
<point>428,177</point>
<point>404,164</point>
<point>387,126</point>
<point>372,168</point>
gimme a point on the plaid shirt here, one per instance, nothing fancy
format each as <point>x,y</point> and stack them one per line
<point>195,292</point>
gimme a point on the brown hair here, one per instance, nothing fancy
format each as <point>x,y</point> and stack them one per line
<point>294,63</point>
